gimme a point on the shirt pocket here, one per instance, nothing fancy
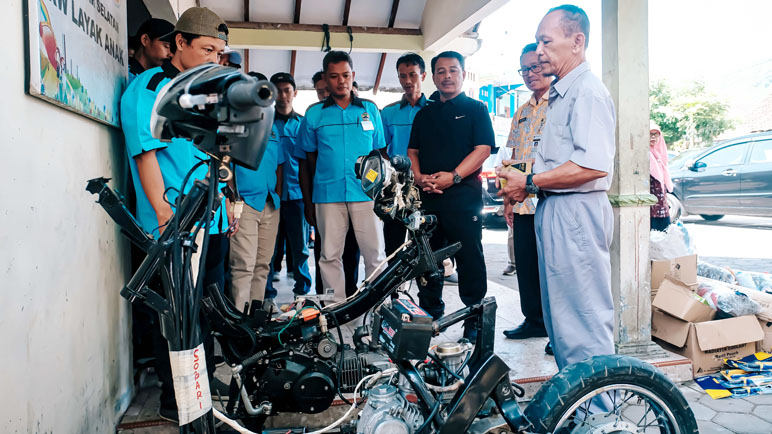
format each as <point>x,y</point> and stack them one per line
<point>555,146</point>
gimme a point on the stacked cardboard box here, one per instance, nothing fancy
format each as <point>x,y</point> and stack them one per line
<point>684,324</point>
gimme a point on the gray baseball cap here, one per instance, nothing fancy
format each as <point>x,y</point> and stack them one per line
<point>201,22</point>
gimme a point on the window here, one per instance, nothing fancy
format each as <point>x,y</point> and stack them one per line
<point>762,152</point>
<point>727,156</point>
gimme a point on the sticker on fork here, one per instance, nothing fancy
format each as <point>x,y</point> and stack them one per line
<point>191,383</point>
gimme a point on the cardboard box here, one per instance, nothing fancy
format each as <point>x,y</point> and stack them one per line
<point>682,269</point>
<point>679,301</point>
<point>707,343</point>
<point>765,344</point>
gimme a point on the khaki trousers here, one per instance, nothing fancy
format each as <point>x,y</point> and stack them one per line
<point>333,220</point>
<point>251,251</point>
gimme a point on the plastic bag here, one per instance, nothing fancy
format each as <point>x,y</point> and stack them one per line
<point>726,299</point>
<point>754,280</point>
<point>671,243</point>
<point>715,272</point>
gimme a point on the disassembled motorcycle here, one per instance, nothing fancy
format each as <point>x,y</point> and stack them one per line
<point>298,362</point>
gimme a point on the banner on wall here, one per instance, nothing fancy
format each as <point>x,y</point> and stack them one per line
<point>78,55</point>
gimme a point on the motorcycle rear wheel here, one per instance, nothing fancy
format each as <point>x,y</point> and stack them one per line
<point>639,399</point>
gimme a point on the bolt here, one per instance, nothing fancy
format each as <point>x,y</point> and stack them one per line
<point>302,387</point>
<point>287,385</point>
<point>326,388</point>
<point>312,409</point>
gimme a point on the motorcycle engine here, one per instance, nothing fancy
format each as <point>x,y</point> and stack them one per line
<point>388,412</point>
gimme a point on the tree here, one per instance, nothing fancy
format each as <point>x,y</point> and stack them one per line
<point>688,117</point>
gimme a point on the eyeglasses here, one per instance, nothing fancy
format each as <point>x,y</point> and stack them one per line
<point>654,135</point>
<point>535,69</point>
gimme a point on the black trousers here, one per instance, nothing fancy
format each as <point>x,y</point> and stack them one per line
<point>659,223</point>
<point>350,261</point>
<point>215,273</point>
<point>456,225</point>
<point>527,261</point>
<point>393,235</point>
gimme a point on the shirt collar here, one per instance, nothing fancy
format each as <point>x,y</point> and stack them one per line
<point>135,67</point>
<point>561,86</point>
<point>169,70</point>
<point>421,101</point>
<point>285,118</point>
<point>544,96</point>
<point>355,100</point>
<point>456,99</point>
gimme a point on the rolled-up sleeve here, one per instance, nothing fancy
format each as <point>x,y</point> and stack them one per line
<point>592,125</point>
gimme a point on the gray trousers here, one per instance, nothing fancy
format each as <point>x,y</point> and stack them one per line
<point>573,236</point>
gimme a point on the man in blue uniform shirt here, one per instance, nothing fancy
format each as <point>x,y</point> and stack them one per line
<point>253,245</point>
<point>292,219</point>
<point>199,36</point>
<point>397,121</point>
<point>335,133</point>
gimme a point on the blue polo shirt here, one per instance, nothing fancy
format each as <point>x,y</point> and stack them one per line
<point>288,128</point>
<point>175,158</point>
<point>340,136</point>
<point>256,185</point>
<point>397,121</point>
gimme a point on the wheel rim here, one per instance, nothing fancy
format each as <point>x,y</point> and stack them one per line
<point>634,409</point>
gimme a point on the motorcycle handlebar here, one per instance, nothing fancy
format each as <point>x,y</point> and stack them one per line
<point>248,93</point>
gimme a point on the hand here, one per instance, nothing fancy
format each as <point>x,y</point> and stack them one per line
<point>426,183</point>
<point>310,212</point>
<point>509,215</point>
<point>440,181</point>
<point>515,189</point>
<point>234,225</point>
<point>164,217</point>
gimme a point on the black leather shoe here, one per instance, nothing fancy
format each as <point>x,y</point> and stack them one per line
<point>526,330</point>
<point>548,349</point>
<point>169,414</point>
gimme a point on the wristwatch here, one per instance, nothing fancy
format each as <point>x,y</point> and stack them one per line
<point>457,178</point>
<point>530,187</point>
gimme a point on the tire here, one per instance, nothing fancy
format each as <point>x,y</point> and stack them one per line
<point>676,208</point>
<point>554,401</point>
<point>711,217</point>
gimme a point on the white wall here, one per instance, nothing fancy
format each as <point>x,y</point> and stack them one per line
<point>65,363</point>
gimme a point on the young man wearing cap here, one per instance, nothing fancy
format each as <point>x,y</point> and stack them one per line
<point>334,134</point>
<point>292,220</point>
<point>199,37</point>
<point>150,51</point>
<point>230,58</point>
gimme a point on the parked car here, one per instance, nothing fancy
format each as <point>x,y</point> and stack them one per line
<point>493,206</point>
<point>731,177</point>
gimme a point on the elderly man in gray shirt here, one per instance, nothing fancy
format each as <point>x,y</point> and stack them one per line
<point>572,173</point>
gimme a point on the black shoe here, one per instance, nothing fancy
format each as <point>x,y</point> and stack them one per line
<point>170,414</point>
<point>548,349</point>
<point>527,329</point>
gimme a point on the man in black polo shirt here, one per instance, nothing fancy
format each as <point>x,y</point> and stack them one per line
<point>150,51</point>
<point>451,138</point>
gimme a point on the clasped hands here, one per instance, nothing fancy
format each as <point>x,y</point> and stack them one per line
<point>435,182</point>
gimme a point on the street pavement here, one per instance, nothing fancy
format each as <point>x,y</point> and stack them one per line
<point>741,243</point>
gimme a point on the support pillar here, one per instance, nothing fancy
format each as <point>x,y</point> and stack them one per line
<point>626,75</point>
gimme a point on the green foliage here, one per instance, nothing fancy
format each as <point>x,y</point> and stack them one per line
<point>689,117</point>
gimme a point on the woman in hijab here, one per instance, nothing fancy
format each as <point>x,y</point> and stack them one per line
<point>660,183</point>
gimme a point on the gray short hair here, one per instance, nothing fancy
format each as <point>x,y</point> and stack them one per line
<point>574,20</point>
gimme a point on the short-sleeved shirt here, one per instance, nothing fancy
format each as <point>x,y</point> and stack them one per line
<point>445,133</point>
<point>397,121</point>
<point>524,139</point>
<point>340,136</point>
<point>580,127</point>
<point>175,158</point>
<point>255,186</point>
<point>288,128</point>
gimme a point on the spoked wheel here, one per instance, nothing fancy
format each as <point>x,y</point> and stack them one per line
<point>610,394</point>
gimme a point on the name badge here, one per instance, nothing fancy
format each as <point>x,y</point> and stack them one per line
<point>536,140</point>
<point>367,124</point>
